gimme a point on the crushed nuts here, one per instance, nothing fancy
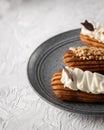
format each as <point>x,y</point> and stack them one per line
<point>88,53</point>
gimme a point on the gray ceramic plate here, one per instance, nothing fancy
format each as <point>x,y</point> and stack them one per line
<point>47,59</point>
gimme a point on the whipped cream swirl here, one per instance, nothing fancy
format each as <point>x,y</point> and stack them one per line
<point>97,34</point>
<point>85,81</point>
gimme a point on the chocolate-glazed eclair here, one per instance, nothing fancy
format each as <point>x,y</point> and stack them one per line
<point>92,34</point>
<point>72,88</point>
<point>85,58</point>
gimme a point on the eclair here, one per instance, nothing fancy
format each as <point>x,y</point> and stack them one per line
<point>85,58</point>
<point>77,85</point>
<point>92,34</point>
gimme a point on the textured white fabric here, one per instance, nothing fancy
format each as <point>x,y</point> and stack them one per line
<point>22,29</point>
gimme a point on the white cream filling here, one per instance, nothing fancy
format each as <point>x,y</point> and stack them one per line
<point>85,81</point>
<point>97,34</point>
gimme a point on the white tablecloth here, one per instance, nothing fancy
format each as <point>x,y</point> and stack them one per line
<point>22,29</point>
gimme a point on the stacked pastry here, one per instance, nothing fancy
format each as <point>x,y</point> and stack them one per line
<point>82,79</point>
<point>85,58</point>
<point>92,34</point>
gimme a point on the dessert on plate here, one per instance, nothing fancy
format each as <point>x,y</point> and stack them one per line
<point>85,58</point>
<point>92,34</point>
<point>78,85</point>
<point>82,78</point>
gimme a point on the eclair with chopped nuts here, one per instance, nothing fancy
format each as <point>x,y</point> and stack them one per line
<point>85,58</point>
<point>92,34</point>
<point>73,88</point>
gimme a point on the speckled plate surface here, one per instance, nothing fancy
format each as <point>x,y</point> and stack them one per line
<point>47,59</point>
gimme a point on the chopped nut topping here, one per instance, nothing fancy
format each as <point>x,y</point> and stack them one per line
<point>88,53</point>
